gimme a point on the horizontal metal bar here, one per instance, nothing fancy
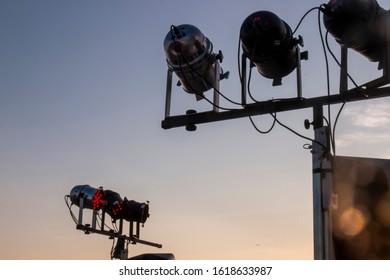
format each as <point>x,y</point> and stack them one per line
<point>113,234</point>
<point>136,240</point>
<point>274,106</point>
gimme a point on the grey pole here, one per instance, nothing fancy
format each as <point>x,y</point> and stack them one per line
<point>322,188</point>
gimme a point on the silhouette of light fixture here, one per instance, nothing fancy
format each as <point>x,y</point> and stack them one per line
<point>111,202</point>
<point>267,41</point>
<point>129,210</point>
<point>88,197</point>
<point>360,25</point>
<point>190,55</point>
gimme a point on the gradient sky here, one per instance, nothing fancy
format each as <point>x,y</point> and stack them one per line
<point>82,92</point>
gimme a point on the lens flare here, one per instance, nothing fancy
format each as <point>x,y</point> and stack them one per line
<point>352,221</point>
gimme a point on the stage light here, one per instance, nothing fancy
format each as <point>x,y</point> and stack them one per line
<point>190,55</point>
<point>358,24</point>
<point>129,210</point>
<point>92,198</point>
<point>136,211</point>
<point>268,42</point>
<point>114,204</point>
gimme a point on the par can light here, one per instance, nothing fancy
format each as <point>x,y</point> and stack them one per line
<point>129,210</point>
<point>359,25</point>
<point>268,42</point>
<point>136,211</point>
<point>92,198</point>
<point>190,55</point>
<point>114,204</point>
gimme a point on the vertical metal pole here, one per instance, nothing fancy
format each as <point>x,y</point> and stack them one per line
<point>299,74</point>
<point>131,230</point>
<point>103,220</point>
<point>94,215</point>
<point>243,79</point>
<point>321,186</point>
<point>120,226</point>
<point>216,86</point>
<point>81,207</point>
<point>138,230</point>
<point>344,70</point>
<point>168,93</point>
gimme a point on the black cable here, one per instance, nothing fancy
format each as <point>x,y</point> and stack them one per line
<point>239,57</point>
<point>335,123</point>
<point>350,78</point>
<point>112,249</point>
<point>336,60</point>
<point>327,78</point>
<point>101,220</point>
<point>302,18</point>
<point>114,226</point>
<point>66,198</point>
<point>260,131</point>
<point>296,133</point>
<point>343,105</point>
<point>249,85</point>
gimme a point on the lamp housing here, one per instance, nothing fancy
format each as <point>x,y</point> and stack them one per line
<point>268,42</point>
<point>129,210</point>
<point>92,198</point>
<point>358,24</point>
<point>189,53</point>
<point>114,205</point>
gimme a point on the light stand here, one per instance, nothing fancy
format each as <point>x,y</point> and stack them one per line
<point>322,181</point>
<point>218,77</point>
<point>322,188</point>
<point>121,251</point>
<point>299,56</point>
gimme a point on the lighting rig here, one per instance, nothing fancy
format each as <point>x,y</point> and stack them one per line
<point>269,44</point>
<point>103,202</point>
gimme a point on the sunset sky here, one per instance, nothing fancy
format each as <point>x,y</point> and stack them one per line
<point>82,96</point>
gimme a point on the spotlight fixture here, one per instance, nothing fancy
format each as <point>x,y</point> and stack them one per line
<point>360,25</point>
<point>190,55</point>
<point>88,197</point>
<point>267,41</point>
<point>129,210</point>
<point>114,205</point>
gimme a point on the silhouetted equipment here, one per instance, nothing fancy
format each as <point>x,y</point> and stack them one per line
<point>268,42</point>
<point>114,205</point>
<point>359,25</point>
<point>104,202</point>
<point>92,198</point>
<point>167,256</point>
<point>190,55</point>
<point>361,223</point>
<point>129,210</point>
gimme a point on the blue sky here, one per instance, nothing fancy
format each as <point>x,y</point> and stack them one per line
<point>82,92</point>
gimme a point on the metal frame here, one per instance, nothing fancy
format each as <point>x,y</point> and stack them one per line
<point>322,170</point>
<point>168,92</point>
<point>369,90</point>
<point>132,238</point>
